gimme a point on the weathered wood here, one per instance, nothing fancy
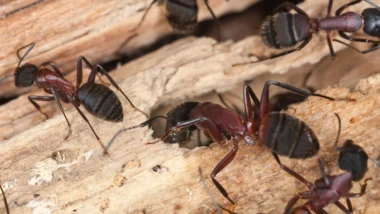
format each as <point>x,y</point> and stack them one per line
<point>74,175</point>
<point>64,30</point>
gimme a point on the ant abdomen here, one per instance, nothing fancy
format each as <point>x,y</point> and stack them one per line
<point>182,15</point>
<point>284,30</point>
<point>101,102</point>
<point>371,17</point>
<point>286,135</point>
<point>24,75</point>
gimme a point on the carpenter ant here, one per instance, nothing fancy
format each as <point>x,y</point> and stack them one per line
<point>177,114</point>
<point>284,29</point>
<point>352,157</point>
<point>5,200</point>
<point>279,132</point>
<point>182,15</point>
<point>323,193</point>
<point>97,99</point>
<point>371,26</point>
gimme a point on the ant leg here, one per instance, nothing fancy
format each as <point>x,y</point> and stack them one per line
<point>55,68</point>
<point>5,200</point>
<point>302,45</point>
<point>212,129</point>
<point>247,95</point>
<point>145,123</point>
<point>357,50</point>
<point>339,10</point>
<point>55,92</point>
<point>216,204</point>
<point>332,53</point>
<point>220,166</point>
<point>372,3</point>
<point>288,5</point>
<point>100,69</point>
<point>292,202</point>
<point>40,98</point>
<point>363,187</point>
<point>80,72</point>
<point>215,19</point>
<point>31,46</point>
<point>292,173</point>
<point>126,41</point>
<point>349,204</point>
<point>88,122</point>
<point>329,8</point>
<point>342,207</point>
<point>144,16</point>
<point>264,105</point>
<point>345,36</point>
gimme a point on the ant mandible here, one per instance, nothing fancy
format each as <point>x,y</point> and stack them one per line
<point>273,129</point>
<point>97,99</point>
<point>284,29</point>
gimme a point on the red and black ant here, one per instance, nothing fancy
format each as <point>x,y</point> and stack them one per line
<point>175,115</point>
<point>272,129</point>
<point>323,193</point>
<point>182,15</point>
<point>330,188</point>
<point>284,29</point>
<point>97,99</point>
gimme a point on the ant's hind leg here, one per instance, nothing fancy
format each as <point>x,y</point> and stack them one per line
<point>40,98</point>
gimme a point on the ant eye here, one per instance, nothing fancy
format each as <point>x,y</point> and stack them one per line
<point>24,75</point>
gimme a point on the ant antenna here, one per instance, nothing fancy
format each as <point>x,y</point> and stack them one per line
<point>133,127</point>
<point>339,125</point>
<point>372,3</point>
<point>31,46</point>
<point>143,18</point>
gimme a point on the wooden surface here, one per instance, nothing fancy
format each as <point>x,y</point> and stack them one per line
<point>64,30</point>
<point>211,61</point>
<point>73,174</point>
<point>81,178</point>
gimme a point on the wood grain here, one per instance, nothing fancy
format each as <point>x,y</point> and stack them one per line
<point>64,30</point>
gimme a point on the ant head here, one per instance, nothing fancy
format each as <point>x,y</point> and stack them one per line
<point>353,158</point>
<point>371,17</point>
<point>24,75</point>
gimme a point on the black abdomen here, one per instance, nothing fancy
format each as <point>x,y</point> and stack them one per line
<point>101,102</point>
<point>182,15</point>
<point>286,135</point>
<point>284,30</point>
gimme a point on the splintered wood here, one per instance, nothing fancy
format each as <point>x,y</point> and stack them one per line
<point>75,175</point>
<point>43,173</point>
<point>64,30</point>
